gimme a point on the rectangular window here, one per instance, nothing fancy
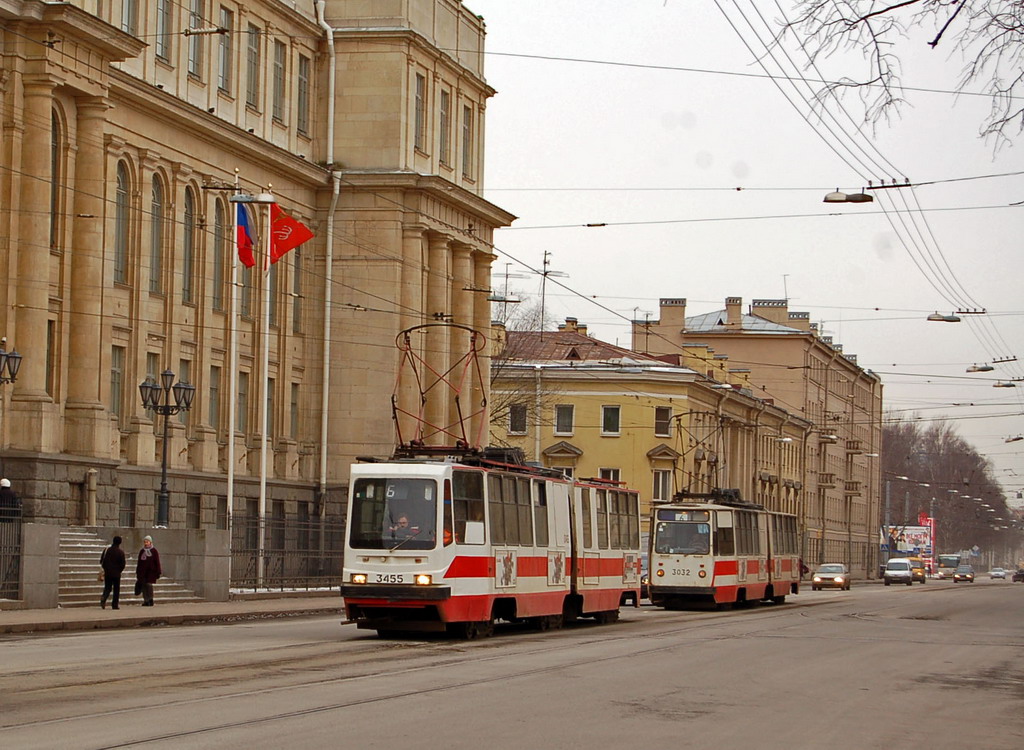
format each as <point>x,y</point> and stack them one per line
<point>662,485</point>
<point>293,422</point>
<point>467,142</point>
<point>196,41</point>
<point>302,96</point>
<point>663,421</point>
<point>252,64</point>
<point>193,511</point>
<point>224,56</point>
<point>184,376</point>
<point>280,54</point>
<point>117,374</point>
<point>445,145</point>
<point>51,356</point>
<point>494,508</point>
<point>587,525</point>
<point>509,509</point>
<point>272,304</point>
<point>297,290</point>
<point>540,512</point>
<point>245,293</point>
<point>610,420</point>
<point>163,29</point>
<point>220,234</point>
<point>126,509</point>
<point>222,512</point>
<point>214,406</point>
<point>517,419</point>
<point>564,417</point>
<point>130,17</point>
<point>468,500</point>
<point>420,132</point>
<point>277,526</point>
<point>612,475</point>
<point>270,407</point>
<point>242,407</point>
<point>602,519</point>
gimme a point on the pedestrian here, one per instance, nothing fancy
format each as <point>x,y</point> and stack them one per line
<point>112,561</point>
<point>147,571</point>
<point>10,503</point>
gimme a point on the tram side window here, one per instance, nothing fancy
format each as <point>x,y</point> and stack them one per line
<point>632,503</point>
<point>495,507</point>
<point>588,531</point>
<point>725,542</point>
<point>615,519</point>
<point>523,506</point>
<point>540,512</point>
<point>511,514</point>
<point>468,500</point>
<point>744,533</point>
<point>602,519</point>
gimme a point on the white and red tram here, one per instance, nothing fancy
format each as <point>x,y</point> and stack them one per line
<point>454,545</point>
<point>715,548</point>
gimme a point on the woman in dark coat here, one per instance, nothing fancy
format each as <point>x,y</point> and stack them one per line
<point>147,570</point>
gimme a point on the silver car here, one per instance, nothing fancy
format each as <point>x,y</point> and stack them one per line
<point>831,576</point>
<point>997,573</point>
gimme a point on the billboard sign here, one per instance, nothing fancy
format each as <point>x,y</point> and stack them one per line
<point>907,541</point>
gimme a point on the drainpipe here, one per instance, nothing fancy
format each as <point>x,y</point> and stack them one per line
<point>536,413</point>
<point>328,266</point>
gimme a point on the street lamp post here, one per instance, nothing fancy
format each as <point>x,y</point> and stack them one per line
<point>183,395</point>
<point>10,363</point>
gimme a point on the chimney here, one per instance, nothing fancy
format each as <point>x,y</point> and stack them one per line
<point>571,324</point>
<point>800,320</point>
<point>733,315</point>
<point>775,310</point>
<point>673,312</point>
<point>581,329</point>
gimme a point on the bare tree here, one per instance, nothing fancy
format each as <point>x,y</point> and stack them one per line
<point>988,34</point>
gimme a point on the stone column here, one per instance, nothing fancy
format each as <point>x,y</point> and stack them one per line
<point>482,324</point>
<point>458,357</point>
<point>32,414</point>
<point>436,346</point>
<point>87,425</point>
<point>411,314</point>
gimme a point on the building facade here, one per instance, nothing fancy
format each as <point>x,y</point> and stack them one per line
<point>127,126</point>
<point>591,409</point>
<point>809,376</point>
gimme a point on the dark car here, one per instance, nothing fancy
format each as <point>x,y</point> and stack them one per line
<point>963,573</point>
<point>1019,576</point>
<point>831,576</point>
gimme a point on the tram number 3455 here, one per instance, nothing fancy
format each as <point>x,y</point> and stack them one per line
<point>388,578</point>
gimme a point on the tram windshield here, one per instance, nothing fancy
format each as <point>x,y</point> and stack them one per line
<point>671,538</point>
<point>392,513</point>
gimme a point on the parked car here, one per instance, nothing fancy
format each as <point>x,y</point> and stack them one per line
<point>898,570</point>
<point>997,573</point>
<point>963,573</point>
<point>920,573</point>
<point>831,576</point>
<point>1019,576</point>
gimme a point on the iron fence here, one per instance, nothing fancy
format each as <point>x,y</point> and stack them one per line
<point>297,553</point>
<point>10,554</point>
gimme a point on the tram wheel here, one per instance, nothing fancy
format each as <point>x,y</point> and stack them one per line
<point>555,622</point>
<point>779,599</point>
<point>606,617</point>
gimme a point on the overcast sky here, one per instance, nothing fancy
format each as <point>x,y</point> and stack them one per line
<point>646,115</point>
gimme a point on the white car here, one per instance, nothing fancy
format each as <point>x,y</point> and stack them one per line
<point>997,573</point>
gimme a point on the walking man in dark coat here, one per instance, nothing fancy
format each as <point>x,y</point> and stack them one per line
<point>112,561</point>
<point>147,570</point>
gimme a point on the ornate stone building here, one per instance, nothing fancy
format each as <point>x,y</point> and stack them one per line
<point>125,124</point>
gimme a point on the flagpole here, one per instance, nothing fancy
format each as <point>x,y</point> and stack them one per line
<point>232,372</point>
<point>266,198</point>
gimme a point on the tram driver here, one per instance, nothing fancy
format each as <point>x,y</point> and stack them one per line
<point>402,529</point>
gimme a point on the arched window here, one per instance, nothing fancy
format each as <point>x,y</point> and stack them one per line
<point>156,237</point>
<point>55,181</point>
<point>219,238</point>
<point>121,226</point>
<point>188,246</point>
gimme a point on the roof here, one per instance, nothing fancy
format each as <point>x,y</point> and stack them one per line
<point>714,322</point>
<point>569,346</point>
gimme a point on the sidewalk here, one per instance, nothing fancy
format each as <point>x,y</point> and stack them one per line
<point>131,616</point>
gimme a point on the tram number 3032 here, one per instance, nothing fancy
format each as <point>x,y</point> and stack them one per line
<point>680,571</point>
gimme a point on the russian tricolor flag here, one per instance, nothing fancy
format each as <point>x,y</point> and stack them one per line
<point>244,237</point>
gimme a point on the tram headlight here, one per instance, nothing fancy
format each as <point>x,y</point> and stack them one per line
<point>424,580</point>
<point>359,578</point>
<point>659,572</point>
<point>702,574</point>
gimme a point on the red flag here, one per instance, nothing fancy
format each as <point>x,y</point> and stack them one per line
<point>244,237</point>
<point>286,233</point>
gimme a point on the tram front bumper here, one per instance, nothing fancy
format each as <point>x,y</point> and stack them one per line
<point>396,592</point>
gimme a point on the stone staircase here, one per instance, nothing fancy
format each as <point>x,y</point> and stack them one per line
<point>80,552</point>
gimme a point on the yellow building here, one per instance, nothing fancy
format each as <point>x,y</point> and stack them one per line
<point>592,409</point>
<point>125,124</point>
<point>810,376</point>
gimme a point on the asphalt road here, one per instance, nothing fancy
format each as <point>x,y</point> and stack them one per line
<point>937,666</point>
